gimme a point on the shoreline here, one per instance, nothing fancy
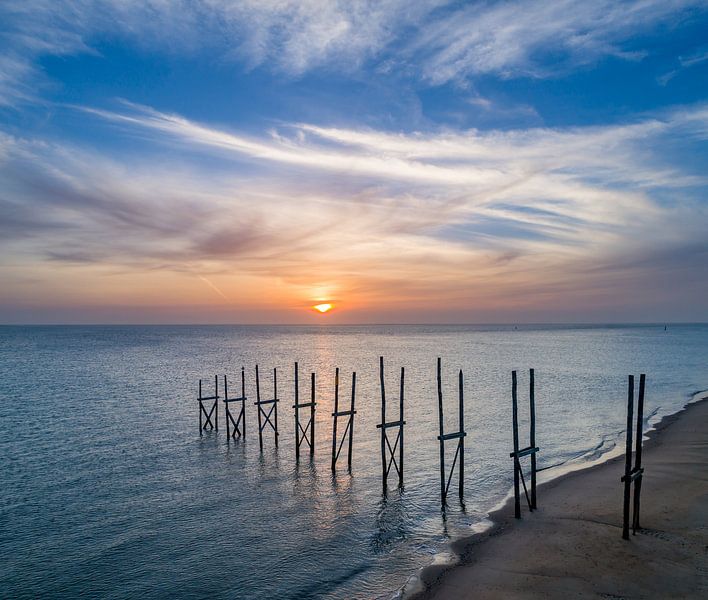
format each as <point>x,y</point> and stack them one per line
<point>434,580</point>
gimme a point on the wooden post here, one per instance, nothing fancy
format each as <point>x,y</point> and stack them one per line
<point>216,402</point>
<point>532,435</point>
<point>334,418</point>
<point>351,423</point>
<point>312,417</point>
<point>443,494</point>
<point>400,431</point>
<point>628,458</point>
<point>200,409</point>
<point>243,403</point>
<point>638,454</point>
<point>515,425</point>
<point>275,401</point>
<point>226,408</point>
<point>383,423</point>
<point>461,485</point>
<point>258,400</point>
<point>297,415</point>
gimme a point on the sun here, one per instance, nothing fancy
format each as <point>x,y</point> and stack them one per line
<point>323,308</point>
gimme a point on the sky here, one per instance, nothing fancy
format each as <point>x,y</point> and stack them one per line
<point>175,161</point>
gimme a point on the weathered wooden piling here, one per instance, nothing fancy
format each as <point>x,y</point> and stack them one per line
<point>458,435</point>
<point>301,434</point>
<point>532,434</point>
<point>638,454</point>
<point>627,478</point>
<point>633,475</point>
<point>213,411</point>
<point>530,450</point>
<point>264,418</point>
<point>235,428</point>
<point>334,417</point>
<point>388,452</point>
<point>349,429</point>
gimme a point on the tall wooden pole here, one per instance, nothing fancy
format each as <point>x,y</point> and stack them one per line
<point>515,426</point>
<point>351,423</point>
<point>334,422</point>
<point>638,453</point>
<point>383,423</point>
<point>258,399</point>
<point>312,417</point>
<point>243,401</point>
<point>401,428</point>
<point>628,458</point>
<point>532,435</point>
<point>462,439</point>
<point>442,442</point>
<point>226,408</point>
<point>275,398</point>
<point>200,408</point>
<point>297,415</point>
<point>216,402</point>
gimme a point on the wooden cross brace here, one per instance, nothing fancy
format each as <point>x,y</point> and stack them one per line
<point>214,410</point>
<point>235,427</point>
<point>264,418</point>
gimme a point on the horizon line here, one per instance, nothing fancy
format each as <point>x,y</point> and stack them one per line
<point>500,324</point>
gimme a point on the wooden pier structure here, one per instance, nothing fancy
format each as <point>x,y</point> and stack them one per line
<point>388,452</point>
<point>306,434</point>
<point>348,429</point>
<point>530,450</point>
<point>392,446</point>
<point>458,435</point>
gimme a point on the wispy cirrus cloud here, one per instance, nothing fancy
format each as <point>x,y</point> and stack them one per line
<point>473,219</point>
<point>537,38</point>
<point>437,40</point>
<point>684,62</point>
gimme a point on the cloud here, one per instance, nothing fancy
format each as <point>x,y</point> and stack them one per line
<point>472,219</point>
<point>684,62</point>
<point>536,38</point>
<point>436,40</point>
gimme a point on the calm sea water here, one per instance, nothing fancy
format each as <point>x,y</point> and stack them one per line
<point>108,490</point>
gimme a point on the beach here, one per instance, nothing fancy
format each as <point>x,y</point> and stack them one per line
<point>571,546</point>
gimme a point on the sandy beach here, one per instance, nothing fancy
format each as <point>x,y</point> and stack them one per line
<point>571,547</point>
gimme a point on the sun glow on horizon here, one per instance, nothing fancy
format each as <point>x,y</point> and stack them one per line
<point>323,308</point>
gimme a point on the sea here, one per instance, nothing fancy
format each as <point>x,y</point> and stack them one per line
<point>108,489</point>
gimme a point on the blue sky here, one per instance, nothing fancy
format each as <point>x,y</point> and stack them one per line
<point>436,161</point>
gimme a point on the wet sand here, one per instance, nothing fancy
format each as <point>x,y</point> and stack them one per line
<point>571,547</point>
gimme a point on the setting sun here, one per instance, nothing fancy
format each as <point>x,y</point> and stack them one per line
<point>323,308</point>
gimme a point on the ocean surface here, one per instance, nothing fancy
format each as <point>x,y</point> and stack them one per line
<point>108,490</point>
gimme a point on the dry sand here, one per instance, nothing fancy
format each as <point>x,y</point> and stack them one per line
<point>571,547</point>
